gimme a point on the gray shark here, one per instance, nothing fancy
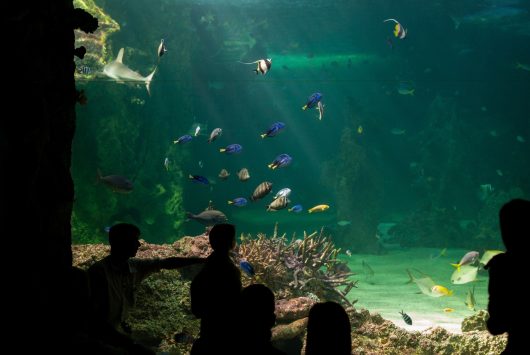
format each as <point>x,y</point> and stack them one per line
<point>121,73</point>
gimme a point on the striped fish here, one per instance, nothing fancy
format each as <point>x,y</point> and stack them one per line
<point>406,317</point>
<point>261,191</point>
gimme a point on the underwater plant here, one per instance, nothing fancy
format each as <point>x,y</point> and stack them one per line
<point>298,267</point>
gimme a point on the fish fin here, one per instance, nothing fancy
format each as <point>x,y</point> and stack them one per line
<point>222,150</point>
<point>263,135</point>
<point>457,267</point>
<point>390,19</point>
<point>412,92</point>
<point>456,22</point>
<point>310,211</point>
<point>257,61</point>
<point>148,80</point>
<point>119,58</point>
<point>230,202</point>
<point>450,293</point>
<point>304,107</point>
<point>411,278</point>
<point>190,176</point>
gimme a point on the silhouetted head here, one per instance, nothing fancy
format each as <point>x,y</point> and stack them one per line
<point>222,237</point>
<point>514,218</point>
<point>257,307</point>
<point>328,330</point>
<point>124,240</point>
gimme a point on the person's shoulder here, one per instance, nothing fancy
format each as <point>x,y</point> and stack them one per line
<point>498,261</point>
<point>100,264</point>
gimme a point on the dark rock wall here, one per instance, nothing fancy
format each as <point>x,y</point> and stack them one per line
<point>38,124</point>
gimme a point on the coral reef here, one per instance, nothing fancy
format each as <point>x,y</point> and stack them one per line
<point>298,267</point>
<point>163,319</point>
<point>475,322</point>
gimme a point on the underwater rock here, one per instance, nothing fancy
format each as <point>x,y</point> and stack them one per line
<point>289,331</point>
<point>288,310</point>
<point>475,322</point>
<point>193,246</point>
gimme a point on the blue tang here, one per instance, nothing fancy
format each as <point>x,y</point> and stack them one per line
<point>312,100</point>
<point>273,130</point>
<point>247,268</point>
<point>231,149</point>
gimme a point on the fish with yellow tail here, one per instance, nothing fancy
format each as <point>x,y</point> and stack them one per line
<point>318,208</point>
<point>468,259</point>
<point>399,31</point>
<point>439,291</point>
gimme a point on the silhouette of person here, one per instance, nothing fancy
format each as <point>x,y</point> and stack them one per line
<point>215,293</point>
<point>505,279</point>
<point>114,281</point>
<point>256,320</point>
<point>328,330</point>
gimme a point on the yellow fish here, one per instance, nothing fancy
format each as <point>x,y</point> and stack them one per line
<point>360,129</point>
<point>438,291</point>
<point>448,310</point>
<point>318,208</point>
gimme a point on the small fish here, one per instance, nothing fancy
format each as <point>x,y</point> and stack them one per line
<point>199,179</point>
<point>470,299</point>
<point>231,149</point>
<point>443,252</point>
<point>318,208</point>
<point>161,48</point>
<point>348,252</point>
<point>281,161</point>
<point>343,223</point>
<point>197,130</point>
<point>208,217</point>
<point>360,129</point>
<point>166,163</point>
<point>116,183</point>
<point>263,66</point>
<point>488,255</point>
<point>405,89</point>
<point>499,172</point>
<point>285,192</point>
<point>84,70</point>
<point>438,290</point>
<point>448,310</point>
<point>278,204</point>
<point>247,268</point>
<point>398,131</point>
<point>273,130</point>
<point>223,174</point>
<point>320,108</point>
<point>201,164</point>
<point>296,209</point>
<point>399,31</point>
<point>464,274</point>
<point>184,139</point>
<point>312,100</point>
<point>215,134</point>
<point>406,317</point>
<point>261,191</point>
<point>468,258</point>
<point>521,66</point>
<point>520,139</point>
<point>368,271</point>
<point>243,174</point>
<point>238,202</point>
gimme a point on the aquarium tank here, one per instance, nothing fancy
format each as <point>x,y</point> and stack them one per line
<point>379,137</point>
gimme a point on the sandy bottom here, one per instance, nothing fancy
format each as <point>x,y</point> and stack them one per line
<point>387,292</point>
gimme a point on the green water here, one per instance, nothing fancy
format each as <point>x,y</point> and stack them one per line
<point>438,163</point>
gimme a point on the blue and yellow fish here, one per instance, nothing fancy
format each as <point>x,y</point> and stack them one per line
<point>312,100</point>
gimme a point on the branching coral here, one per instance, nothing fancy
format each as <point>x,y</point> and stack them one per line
<point>298,267</point>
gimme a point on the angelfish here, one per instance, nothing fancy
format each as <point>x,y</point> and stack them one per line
<point>399,31</point>
<point>320,108</point>
<point>263,65</point>
<point>161,48</point>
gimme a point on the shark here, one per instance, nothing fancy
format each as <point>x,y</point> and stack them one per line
<point>121,73</point>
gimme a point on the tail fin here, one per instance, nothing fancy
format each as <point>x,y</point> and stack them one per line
<point>457,266</point>
<point>456,22</point>
<point>230,202</point>
<point>148,80</point>
<point>263,135</point>
<point>304,107</point>
<point>411,278</point>
<point>222,150</point>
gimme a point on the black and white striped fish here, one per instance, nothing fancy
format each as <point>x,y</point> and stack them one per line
<point>263,65</point>
<point>83,69</point>
<point>406,317</point>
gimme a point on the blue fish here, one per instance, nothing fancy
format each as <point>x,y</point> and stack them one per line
<point>296,208</point>
<point>280,161</point>
<point>312,100</point>
<point>232,149</point>
<point>273,130</point>
<point>199,179</point>
<point>247,268</point>
<point>184,139</point>
<point>239,202</point>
